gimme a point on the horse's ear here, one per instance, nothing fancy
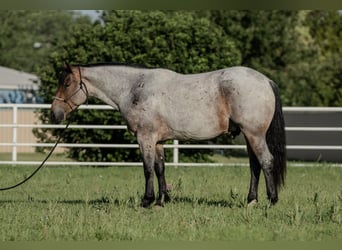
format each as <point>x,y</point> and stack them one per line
<point>67,67</point>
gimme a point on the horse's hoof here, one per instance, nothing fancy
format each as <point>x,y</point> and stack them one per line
<point>157,207</point>
<point>253,203</point>
<point>274,200</point>
<point>146,202</point>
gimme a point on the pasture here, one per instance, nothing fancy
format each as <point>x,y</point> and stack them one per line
<point>208,203</point>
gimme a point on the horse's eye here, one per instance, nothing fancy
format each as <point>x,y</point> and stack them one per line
<point>66,85</point>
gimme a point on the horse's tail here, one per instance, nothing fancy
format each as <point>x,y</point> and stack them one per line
<point>276,140</point>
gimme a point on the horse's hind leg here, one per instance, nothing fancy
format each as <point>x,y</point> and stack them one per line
<point>259,146</point>
<point>255,168</point>
<point>159,167</point>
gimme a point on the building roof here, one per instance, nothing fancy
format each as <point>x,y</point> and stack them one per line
<point>12,79</point>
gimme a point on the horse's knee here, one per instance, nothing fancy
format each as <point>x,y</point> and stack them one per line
<point>148,171</point>
<point>159,167</point>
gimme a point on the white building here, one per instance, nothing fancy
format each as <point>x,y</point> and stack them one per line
<point>17,86</point>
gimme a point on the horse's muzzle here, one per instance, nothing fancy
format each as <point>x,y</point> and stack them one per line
<point>57,116</point>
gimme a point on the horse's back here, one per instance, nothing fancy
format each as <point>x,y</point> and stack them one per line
<point>189,105</point>
<point>199,106</point>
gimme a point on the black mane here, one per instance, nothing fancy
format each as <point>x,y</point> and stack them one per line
<point>113,64</point>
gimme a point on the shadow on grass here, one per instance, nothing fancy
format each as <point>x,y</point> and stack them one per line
<point>103,201</point>
<point>231,203</point>
<point>99,201</point>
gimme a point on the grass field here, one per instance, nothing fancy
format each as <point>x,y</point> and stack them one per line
<point>85,203</point>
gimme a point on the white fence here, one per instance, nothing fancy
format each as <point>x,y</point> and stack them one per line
<point>176,146</point>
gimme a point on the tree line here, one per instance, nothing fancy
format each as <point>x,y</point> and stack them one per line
<point>299,50</point>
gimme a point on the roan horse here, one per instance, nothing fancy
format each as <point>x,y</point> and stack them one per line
<point>160,104</point>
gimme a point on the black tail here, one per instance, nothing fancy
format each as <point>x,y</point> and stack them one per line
<point>276,140</point>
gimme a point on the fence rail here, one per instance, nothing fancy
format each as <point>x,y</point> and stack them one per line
<point>176,146</point>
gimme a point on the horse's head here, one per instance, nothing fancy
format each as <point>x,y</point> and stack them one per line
<point>71,93</point>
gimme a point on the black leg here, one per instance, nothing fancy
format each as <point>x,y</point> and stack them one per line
<point>255,174</point>
<point>258,145</point>
<point>271,189</point>
<point>159,167</point>
<point>149,196</point>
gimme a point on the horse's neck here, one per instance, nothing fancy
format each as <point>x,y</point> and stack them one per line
<point>110,84</point>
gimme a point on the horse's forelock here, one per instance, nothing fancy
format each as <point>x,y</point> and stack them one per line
<point>62,77</point>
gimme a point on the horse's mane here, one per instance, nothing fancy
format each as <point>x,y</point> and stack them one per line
<point>113,64</point>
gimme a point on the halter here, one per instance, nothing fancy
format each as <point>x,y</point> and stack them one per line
<point>84,89</point>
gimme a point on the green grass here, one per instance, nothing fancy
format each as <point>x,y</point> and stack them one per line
<point>34,157</point>
<point>85,203</point>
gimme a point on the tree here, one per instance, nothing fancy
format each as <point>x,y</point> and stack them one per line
<point>325,28</point>
<point>27,37</point>
<point>176,40</point>
<point>299,50</point>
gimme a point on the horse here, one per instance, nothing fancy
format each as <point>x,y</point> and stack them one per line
<point>160,104</point>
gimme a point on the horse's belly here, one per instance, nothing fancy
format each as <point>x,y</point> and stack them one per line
<point>199,134</point>
<point>197,127</point>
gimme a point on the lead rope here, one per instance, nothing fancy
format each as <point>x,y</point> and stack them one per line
<point>41,165</point>
<point>83,87</point>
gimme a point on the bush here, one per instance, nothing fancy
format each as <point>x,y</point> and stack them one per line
<point>181,41</point>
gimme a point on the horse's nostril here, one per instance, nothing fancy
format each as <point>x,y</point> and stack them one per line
<point>57,116</point>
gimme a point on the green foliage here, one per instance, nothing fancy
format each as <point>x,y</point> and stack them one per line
<point>175,40</point>
<point>325,27</point>
<point>299,50</point>
<point>28,37</point>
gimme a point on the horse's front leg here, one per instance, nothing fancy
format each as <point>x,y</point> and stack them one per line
<point>159,167</point>
<point>148,150</point>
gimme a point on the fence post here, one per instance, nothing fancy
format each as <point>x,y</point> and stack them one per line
<point>14,135</point>
<point>175,153</point>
